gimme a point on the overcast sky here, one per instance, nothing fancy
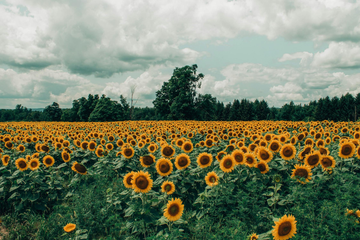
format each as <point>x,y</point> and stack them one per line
<point>278,50</point>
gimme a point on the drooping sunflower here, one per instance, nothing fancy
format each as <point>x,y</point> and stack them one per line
<point>275,145</point>
<point>174,209</point>
<point>69,227</point>
<point>204,160</point>
<point>5,160</point>
<point>167,151</point>
<point>34,164</point>
<point>147,160</point>
<point>285,228</point>
<point>65,156</point>
<point>212,179</point>
<point>347,150</point>
<point>302,171</point>
<point>127,179</point>
<point>238,156</point>
<point>253,236</point>
<point>262,166</point>
<point>327,162</point>
<point>142,182</point>
<point>288,151</point>
<point>21,164</point>
<point>182,161</point>
<point>264,154</point>
<point>164,167</point>
<point>168,187</point>
<point>313,159</point>
<point>79,168</point>
<point>227,163</point>
<point>48,161</point>
<point>187,147</point>
<point>250,159</point>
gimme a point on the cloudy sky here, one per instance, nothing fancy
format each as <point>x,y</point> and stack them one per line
<point>279,50</point>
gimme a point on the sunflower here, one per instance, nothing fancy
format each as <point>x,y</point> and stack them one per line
<point>164,167</point>
<point>152,148</point>
<point>303,171</point>
<point>238,156</point>
<point>79,168</point>
<point>5,160</point>
<point>220,155</point>
<point>250,159</point>
<point>324,151</point>
<point>187,147</point>
<point>21,164</point>
<point>167,151</point>
<point>127,179</point>
<point>34,164</point>
<point>212,179</point>
<point>9,145</point>
<point>65,156</point>
<point>128,152</point>
<point>48,160</point>
<point>84,145</point>
<point>35,155</point>
<point>327,162</point>
<point>182,161</point>
<point>168,187</point>
<point>92,146</point>
<point>227,163</point>
<point>274,145</point>
<point>209,143</point>
<point>305,152</point>
<point>262,166</point>
<point>174,209</point>
<point>69,227</point>
<point>119,142</point>
<point>99,151</point>
<point>142,182</point>
<point>285,228</point>
<point>264,154</point>
<point>347,150</point>
<point>147,160</point>
<point>313,159</point>
<point>204,160</point>
<point>253,236</point>
<point>288,151</point>
<point>309,142</point>
<point>20,148</point>
<point>179,142</point>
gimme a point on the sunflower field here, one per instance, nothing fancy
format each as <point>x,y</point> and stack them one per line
<point>180,180</point>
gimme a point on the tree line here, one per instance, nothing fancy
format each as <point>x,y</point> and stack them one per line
<point>178,100</point>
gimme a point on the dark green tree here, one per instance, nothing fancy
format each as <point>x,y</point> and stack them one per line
<point>52,112</point>
<point>235,111</point>
<point>205,106</point>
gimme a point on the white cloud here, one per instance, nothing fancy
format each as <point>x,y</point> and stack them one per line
<point>305,57</point>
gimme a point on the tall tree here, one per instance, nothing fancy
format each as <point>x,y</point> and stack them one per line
<point>52,112</point>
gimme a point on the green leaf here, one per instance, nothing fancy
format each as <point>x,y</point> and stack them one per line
<point>62,165</point>
<point>14,188</point>
<point>33,197</point>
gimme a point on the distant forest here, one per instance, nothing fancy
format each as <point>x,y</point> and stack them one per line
<point>178,100</point>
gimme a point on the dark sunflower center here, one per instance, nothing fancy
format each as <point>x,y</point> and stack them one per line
<point>34,164</point>
<point>306,151</point>
<point>308,142</point>
<point>249,160</point>
<point>148,160</point>
<point>168,151</point>
<point>80,168</point>
<point>45,148</point>
<point>164,167</point>
<point>174,210</point>
<point>346,150</point>
<point>48,161</point>
<point>168,188</point>
<point>231,147</point>
<point>21,148</point>
<point>22,164</point>
<point>264,155</point>
<point>141,182</point>
<point>183,161</point>
<point>274,146</point>
<point>6,159</point>
<point>128,180</point>
<point>221,155</point>
<point>212,179</point>
<point>180,143</point>
<point>326,162</point>
<point>187,147</point>
<point>238,158</point>
<point>261,167</point>
<point>313,160</point>
<point>227,163</point>
<point>91,145</point>
<point>128,152</point>
<point>288,151</point>
<point>66,156</point>
<point>323,151</point>
<point>204,160</point>
<point>301,173</point>
<point>152,148</point>
<point>284,229</point>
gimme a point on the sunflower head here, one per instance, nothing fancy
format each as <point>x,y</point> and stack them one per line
<point>250,159</point>
<point>5,160</point>
<point>34,164</point>
<point>164,167</point>
<point>313,159</point>
<point>264,154</point>
<point>142,182</point>
<point>167,151</point>
<point>227,163</point>
<point>212,179</point>
<point>253,236</point>
<point>285,228</point>
<point>79,168</point>
<point>288,151</point>
<point>275,145</point>
<point>128,152</point>
<point>262,166</point>
<point>220,155</point>
<point>347,149</point>
<point>238,156</point>
<point>147,160</point>
<point>168,187</point>
<point>302,173</point>
<point>187,147</point>
<point>65,156</point>
<point>182,161</point>
<point>48,161</point>
<point>327,162</point>
<point>204,160</point>
<point>174,209</point>
<point>99,151</point>
<point>127,179</point>
<point>21,164</point>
